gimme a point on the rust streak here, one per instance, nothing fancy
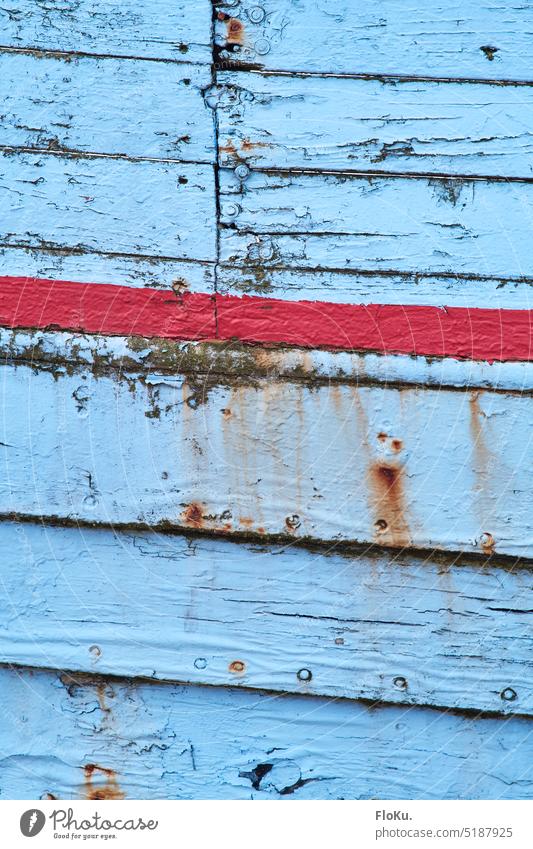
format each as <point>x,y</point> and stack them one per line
<point>193,516</point>
<point>388,503</point>
<point>483,460</point>
<point>228,148</point>
<point>100,692</point>
<point>234,31</point>
<point>247,521</point>
<point>107,786</point>
<point>248,145</point>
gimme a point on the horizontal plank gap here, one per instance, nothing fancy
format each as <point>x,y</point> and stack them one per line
<point>401,175</point>
<point>57,250</point>
<point>238,363</point>
<point>386,78</point>
<point>411,276</point>
<point>70,153</point>
<point>90,677</point>
<point>79,54</point>
<point>342,548</point>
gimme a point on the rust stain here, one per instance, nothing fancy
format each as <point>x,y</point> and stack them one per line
<point>487,543</point>
<point>228,148</point>
<point>107,786</point>
<point>261,530</point>
<point>248,145</point>
<point>237,667</point>
<point>382,436</point>
<point>396,444</point>
<point>247,521</point>
<point>483,459</point>
<point>234,31</point>
<point>292,523</point>
<point>223,529</point>
<point>100,692</point>
<point>193,516</point>
<point>388,503</point>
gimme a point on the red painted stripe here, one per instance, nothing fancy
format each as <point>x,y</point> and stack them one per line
<point>472,333</point>
<point>103,308</point>
<point>477,334</point>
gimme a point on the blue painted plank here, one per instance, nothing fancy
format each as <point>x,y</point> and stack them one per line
<point>52,348</point>
<point>293,457</point>
<point>161,29</point>
<point>78,104</point>
<point>161,209</point>
<point>79,737</point>
<point>373,125</point>
<point>377,223</point>
<point>133,271</point>
<point>391,628</point>
<point>364,287</point>
<point>456,38</point>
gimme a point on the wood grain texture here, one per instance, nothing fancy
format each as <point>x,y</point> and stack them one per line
<point>86,737</point>
<point>370,287</point>
<point>86,267</point>
<point>391,628</point>
<point>373,125</point>
<point>107,205</point>
<point>51,348</point>
<point>78,104</point>
<point>399,466</point>
<point>377,224</point>
<point>161,29</point>
<point>461,38</point>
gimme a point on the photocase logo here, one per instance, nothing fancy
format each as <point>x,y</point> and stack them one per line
<point>32,822</point>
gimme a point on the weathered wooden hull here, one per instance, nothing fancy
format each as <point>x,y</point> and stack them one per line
<point>266,370</point>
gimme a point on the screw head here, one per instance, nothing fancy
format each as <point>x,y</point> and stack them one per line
<point>400,682</point>
<point>293,522</point>
<point>262,46</point>
<point>304,675</point>
<point>486,541</point>
<point>256,14</point>
<point>231,210</point>
<point>241,171</point>
<point>509,695</point>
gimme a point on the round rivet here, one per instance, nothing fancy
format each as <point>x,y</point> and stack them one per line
<point>304,675</point>
<point>230,210</point>
<point>262,46</point>
<point>508,695</point>
<point>200,663</point>
<point>237,666</point>
<point>486,541</point>
<point>96,651</point>
<point>241,171</point>
<point>381,526</point>
<point>256,14</point>
<point>293,522</point>
<point>266,250</point>
<point>400,683</point>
